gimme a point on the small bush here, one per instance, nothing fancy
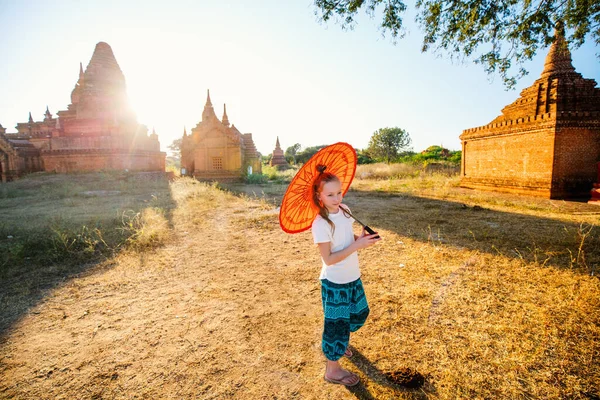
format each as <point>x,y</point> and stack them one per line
<point>146,229</point>
<point>281,176</point>
<point>255,179</point>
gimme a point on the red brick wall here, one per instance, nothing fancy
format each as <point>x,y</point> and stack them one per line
<point>71,161</point>
<point>517,162</point>
<point>577,150</point>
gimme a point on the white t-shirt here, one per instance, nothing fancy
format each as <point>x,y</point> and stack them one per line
<point>346,270</point>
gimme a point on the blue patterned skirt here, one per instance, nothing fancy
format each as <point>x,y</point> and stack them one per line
<point>346,310</point>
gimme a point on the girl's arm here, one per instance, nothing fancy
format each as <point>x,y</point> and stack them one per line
<point>333,258</point>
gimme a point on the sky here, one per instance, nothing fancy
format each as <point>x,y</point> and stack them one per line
<point>281,72</point>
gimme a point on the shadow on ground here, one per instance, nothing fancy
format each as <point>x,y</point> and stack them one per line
<point>373,374</point>
<point>570,238</point>
<point>531,238</point>
<point>37,208</point>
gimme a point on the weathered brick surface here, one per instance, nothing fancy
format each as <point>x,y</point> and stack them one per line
<point>577,150</point>
<point>546,143</point>
<point>493,163</point>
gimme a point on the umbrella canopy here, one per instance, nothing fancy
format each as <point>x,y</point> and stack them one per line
<point>298,211</point>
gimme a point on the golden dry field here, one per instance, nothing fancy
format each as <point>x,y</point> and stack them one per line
<point>115,287</point>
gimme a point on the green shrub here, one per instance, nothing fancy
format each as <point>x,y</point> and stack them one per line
<point>256,179</point>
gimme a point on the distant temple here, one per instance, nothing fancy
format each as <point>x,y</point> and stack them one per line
<point>546,143</point>
<point>98,131</point>
<point>218,151</point>
<point>278,158</point>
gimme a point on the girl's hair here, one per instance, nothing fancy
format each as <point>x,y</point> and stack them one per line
<point>322,179</point>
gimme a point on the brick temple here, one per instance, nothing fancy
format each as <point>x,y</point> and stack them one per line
<point>546,143</point>
<point>98,131</point>
<point>278,157</point>
<point>216,150</point>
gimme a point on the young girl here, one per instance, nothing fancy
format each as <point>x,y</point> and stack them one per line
<point>344,302</point>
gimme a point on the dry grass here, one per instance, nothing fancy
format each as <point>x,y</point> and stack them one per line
<point>488,296</point>
<point>405,170</point>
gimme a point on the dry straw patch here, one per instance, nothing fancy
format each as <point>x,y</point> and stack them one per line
<point>228,306</point>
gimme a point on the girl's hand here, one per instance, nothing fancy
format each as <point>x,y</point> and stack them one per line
<point>365,240</point>
<point>365,233</point>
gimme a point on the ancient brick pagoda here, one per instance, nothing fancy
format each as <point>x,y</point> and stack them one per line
<point>278,158</point>
<point>546,143</point>
<point>215,150</point>
<point>98,131</point>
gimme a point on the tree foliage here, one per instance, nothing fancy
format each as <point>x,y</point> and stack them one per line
<point>435,154</point>
<point>290,152</point>
<point>175,147</point>
<point>493,33</point>
<point>304,155</point>
<point>386,143</point>
<point>266,159</point>
<point>364,157</point>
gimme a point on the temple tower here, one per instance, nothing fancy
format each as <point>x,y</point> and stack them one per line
<point>278,157</point>
<point>97,131</point>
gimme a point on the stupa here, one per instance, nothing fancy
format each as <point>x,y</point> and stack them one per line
<point>546,143</point>
<point>278,157</point>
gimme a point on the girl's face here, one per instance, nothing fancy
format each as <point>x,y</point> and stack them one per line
<point>331,196</point>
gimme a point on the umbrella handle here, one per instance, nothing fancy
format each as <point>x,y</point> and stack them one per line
<point>369,230</point>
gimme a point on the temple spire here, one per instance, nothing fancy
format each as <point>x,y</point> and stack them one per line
<point>558,60</point>
<point>47,114</point>
<point>225,120</point>
<point>184,132</point>
<point>30,119</point>
<point>103,63</point>
<point>277,145</point>
<point>81,77</point>
<point>209,112</point>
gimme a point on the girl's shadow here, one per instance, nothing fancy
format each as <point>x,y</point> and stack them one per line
<point>375,375</point>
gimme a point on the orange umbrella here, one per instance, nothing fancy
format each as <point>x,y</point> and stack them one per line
<point>297,211</point>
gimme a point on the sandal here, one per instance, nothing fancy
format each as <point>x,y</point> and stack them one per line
<point>347,380</point>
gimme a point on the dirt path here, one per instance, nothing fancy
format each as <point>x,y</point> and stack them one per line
<point>210,316</point>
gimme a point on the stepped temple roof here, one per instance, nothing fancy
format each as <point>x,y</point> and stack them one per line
<point>559,93</point>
